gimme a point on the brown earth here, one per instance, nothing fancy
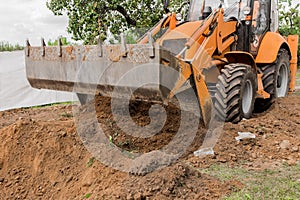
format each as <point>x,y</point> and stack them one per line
<point>42,156</point>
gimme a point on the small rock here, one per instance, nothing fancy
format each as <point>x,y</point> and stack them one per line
<point>245,135</point>
<point>87,184</point>
<point>204,152</point>
<point>232,155</point>
<point>1,180</point>
<point>222,160</point>
<point>285,144</point>
<point>264,137</point>
<point>295,149</point>
<point>138,196</point>
<point>129,197</point>
<point>69,179</point>
<point>8,184</point>
<point>39,194</point>
<point>166,192</point>
<point>291,162</point>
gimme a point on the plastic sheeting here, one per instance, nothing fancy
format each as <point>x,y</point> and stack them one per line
<point>15,91</point>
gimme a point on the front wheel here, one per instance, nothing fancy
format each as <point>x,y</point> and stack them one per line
<point>236,92</point>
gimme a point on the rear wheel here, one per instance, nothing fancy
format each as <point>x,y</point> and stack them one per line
<point>276,80</point>
<point>236,90</point>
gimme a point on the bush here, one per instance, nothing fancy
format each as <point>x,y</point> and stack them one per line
<point>289,20</point>
<point>6,46</point>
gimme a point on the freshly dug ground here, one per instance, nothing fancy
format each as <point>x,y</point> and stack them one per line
<point>42,156</point>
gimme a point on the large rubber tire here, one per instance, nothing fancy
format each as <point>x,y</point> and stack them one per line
<point>236,92</point>
<point>276,80</point>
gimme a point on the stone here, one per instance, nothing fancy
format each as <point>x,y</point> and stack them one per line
<point>295,149</point>
<point>138,196</point>
<point>129,197</point>
<point>285,144</point>
<point>291,162</point>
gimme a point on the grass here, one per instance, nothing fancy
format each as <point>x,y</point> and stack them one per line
<point>90,162</point>
<point>280,183</point>
<point>87,196</point>
<point>298,82</point>
<point>52,104</point>
<point>68,115</point>
<point>298,76</point>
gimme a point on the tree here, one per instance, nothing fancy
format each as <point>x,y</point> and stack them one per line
<point>289,20</point>
<point>6,46</point>
<point>89,19</point>
<point>63,40</point>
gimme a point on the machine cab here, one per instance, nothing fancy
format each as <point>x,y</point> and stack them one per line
<point>255,17</point>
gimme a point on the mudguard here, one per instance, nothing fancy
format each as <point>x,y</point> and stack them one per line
<point>269,48</point>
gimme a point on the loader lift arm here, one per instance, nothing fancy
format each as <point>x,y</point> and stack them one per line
<point>213,35</point>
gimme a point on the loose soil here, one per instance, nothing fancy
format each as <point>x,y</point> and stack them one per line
<point>42,156</point>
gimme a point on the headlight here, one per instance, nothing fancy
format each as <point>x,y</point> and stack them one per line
<point>246,10</point>
<point>178,17</point>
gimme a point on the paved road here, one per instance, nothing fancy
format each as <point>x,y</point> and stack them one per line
<point>15,91</point>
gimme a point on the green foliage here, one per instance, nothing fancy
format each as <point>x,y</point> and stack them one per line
<point>68,115</point>
<point>90,162</point>
<point>6,46</point>
<point>55,42</point>
<point>90,19</point>
<point>95,18</point>
<point>87,196</point>
<point>289,20</point>
<point>51,104</point>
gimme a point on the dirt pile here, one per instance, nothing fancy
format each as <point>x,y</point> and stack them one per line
<point>42,157</point>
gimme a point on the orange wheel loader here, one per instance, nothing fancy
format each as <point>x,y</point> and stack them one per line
<point>228,51</point>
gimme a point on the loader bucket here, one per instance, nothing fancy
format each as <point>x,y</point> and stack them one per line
<point>104,69</point>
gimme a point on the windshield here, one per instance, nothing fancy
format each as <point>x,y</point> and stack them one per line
<point>199,8</point>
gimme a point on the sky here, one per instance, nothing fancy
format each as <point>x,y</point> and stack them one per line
<point>22,19</point>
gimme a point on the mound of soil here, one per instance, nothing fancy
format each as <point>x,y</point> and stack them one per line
<point>42,157</point>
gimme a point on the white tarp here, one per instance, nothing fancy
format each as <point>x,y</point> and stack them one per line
<point>15,91</point>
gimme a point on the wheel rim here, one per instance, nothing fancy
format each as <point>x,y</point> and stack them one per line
<point>247,97</point>
<point>282,81</point>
